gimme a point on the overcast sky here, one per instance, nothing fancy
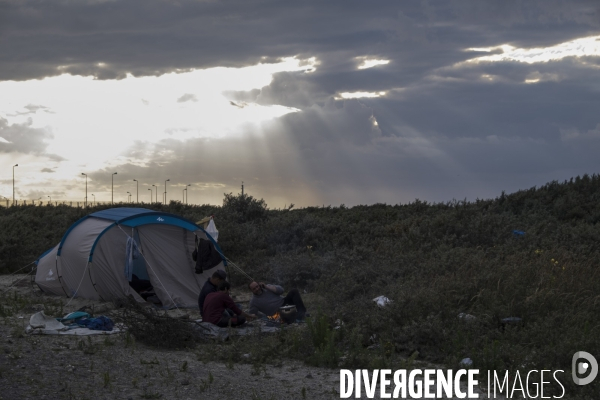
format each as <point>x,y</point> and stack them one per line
<point>306,102</point>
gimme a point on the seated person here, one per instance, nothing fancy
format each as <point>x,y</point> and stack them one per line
<point>267,299</point>
<point>215,305</point>
<point>210,286</point>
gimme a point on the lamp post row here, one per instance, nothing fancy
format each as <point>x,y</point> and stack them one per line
<point>137,192</point>
<point>112,189</point>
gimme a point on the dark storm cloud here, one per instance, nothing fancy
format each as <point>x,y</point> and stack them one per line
<point>505,106</point>
<point>293,89</point>
<point>443,129</point>
<point>152,37</point>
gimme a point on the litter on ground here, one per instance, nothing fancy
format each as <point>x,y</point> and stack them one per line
<point>41,324</point>
<point>382,301</point>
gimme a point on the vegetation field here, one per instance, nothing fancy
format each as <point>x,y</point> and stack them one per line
<point>513,283</point>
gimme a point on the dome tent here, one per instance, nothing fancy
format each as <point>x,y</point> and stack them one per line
<point>99,254</point>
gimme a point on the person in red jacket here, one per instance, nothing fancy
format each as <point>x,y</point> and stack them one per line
<point>216,303</point>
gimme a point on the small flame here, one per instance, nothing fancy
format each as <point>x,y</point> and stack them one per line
<point>275,317</point>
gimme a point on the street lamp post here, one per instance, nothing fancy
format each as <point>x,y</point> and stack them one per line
<point>137,190</point>
<point>128,195</point>
<point>155,197</point>
<point>50,201</point>
<point>16,165</point>
<point>112,187</point>
<point>186,193</point>
<point>85,189</point>
<point>150,189</point>
<point>168,180</point>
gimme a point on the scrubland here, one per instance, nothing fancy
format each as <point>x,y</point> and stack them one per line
<point>454,273</point>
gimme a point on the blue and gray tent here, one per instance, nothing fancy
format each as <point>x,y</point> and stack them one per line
<point>99,254</point>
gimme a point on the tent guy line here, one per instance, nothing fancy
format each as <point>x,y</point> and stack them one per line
<point>20,279</point>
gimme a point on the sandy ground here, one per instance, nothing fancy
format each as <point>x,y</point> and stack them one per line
<point>112,367</point>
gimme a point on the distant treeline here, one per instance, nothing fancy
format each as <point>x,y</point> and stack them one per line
<point>533,255</point>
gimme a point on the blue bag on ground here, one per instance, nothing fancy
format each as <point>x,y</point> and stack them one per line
<point>73,317</point>
<point>100,323</point>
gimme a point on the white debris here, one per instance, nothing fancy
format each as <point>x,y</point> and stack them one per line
<point>382,301</point>
<point>466,317</point>
<point>466,362</point>
<point>41,320</point>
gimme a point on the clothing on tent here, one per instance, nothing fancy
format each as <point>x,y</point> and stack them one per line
<point>195,252</point>
<point>211,229</point>
<point>132,253</point>
<point>208,257</point>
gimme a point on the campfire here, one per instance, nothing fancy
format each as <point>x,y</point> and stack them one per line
<point>286,314</point>
<point>275,317</point>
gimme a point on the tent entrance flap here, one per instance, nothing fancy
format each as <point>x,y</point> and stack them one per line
<point>167,251</point>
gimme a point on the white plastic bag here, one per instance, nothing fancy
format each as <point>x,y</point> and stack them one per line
<point>211,229</point>
<point>382,301</point>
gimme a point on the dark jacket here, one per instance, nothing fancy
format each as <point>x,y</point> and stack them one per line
<point>207,289</point>
<point>207,256</point>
